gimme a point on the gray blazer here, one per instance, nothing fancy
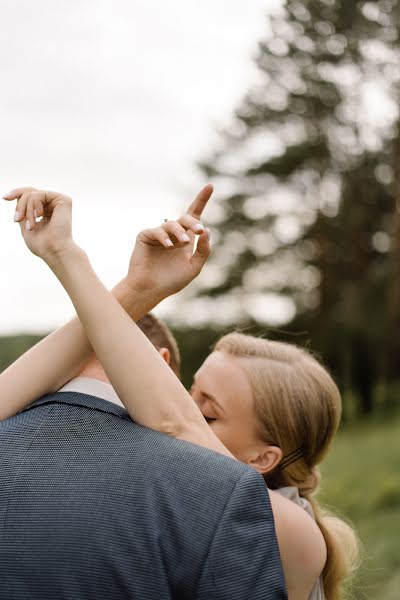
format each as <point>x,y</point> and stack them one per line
<point>94,506</point>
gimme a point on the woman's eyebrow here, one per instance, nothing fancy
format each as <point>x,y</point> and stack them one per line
<point>209,397</point>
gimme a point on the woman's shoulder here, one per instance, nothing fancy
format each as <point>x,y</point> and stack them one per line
<point>301,543</point>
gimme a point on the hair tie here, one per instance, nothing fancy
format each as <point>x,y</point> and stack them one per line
<point>290,458</point>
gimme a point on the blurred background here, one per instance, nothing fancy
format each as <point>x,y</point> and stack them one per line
<point>292,111</point>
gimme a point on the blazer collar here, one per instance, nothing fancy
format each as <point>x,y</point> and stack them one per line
<point>84,400</point>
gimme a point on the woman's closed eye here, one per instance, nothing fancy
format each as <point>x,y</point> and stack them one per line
<point>204,403</point>
<point>208,418</point>
<point>208,412</point>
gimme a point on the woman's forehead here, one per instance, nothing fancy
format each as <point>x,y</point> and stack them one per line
<point>224,376</point>
<point>217,364</point>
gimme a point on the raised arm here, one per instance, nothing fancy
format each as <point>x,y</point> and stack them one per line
<point>151,277</point>
<point>151,392</point>
<point>59,357</point>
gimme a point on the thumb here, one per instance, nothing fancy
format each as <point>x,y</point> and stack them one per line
<point>203,251</point>
<point>62,212</point>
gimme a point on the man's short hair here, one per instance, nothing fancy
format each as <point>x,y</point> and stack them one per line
<point>161,336</point>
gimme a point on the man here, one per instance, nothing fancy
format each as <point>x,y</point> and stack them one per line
<point>95,506</point>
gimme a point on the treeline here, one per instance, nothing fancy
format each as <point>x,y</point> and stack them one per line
<point>196,345</point>
<point>11,347</point>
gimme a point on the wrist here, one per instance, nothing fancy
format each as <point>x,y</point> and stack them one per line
<point>129,294</point>
<point>61,257</point>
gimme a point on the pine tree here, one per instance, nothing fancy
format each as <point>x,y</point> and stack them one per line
<point>310,207</point>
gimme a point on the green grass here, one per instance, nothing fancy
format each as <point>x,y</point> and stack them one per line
<point>361,481</point>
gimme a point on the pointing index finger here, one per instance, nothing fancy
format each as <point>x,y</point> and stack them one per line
<point>200,202</point>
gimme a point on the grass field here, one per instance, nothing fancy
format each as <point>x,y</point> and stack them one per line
<point>361,481</point>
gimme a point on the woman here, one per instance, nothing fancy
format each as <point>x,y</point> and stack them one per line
<point>267,404</point>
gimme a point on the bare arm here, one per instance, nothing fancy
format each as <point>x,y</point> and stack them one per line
<point>152,276</point>
<point>56,359</point>
<point>150,391</point>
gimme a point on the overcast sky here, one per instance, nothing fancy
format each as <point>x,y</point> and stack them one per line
<point>111,102</point>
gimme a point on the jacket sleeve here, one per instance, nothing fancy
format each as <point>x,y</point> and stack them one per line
<point>243,561</point>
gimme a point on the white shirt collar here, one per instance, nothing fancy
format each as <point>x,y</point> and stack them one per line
<point>92,387</point>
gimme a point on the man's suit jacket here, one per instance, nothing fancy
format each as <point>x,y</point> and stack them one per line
<point>94,506</point>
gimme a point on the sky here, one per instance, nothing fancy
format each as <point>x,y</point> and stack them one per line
<point>113,103</point>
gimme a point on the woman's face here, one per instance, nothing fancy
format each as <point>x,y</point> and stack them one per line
<point>222,392</point>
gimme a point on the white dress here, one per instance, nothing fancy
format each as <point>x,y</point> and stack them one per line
<point>292,493</point>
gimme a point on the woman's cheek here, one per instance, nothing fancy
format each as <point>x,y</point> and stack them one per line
<point>220,431</point>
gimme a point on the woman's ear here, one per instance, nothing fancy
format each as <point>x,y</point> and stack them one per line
<point>266,459</point>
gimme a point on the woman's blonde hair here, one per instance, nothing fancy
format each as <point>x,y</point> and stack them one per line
<point>298,408</point>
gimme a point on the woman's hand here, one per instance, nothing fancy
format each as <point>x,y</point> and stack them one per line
<point>52,234</point>
<point>164,261</point>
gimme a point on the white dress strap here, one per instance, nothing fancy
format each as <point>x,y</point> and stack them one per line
<point>292,493</point>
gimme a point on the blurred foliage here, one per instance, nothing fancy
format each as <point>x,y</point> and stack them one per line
<point>310,186</point>
<point>11,347</point>
<point>360,479</point>
<point>195,346</point>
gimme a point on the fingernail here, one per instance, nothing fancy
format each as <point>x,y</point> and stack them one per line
<point>35,214</point>
<point>6,196</point>
<point>199,227</point>
<point>185,237</point>
<point>28,226</point>
<point>16,216</point>
<point>169,243</point>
